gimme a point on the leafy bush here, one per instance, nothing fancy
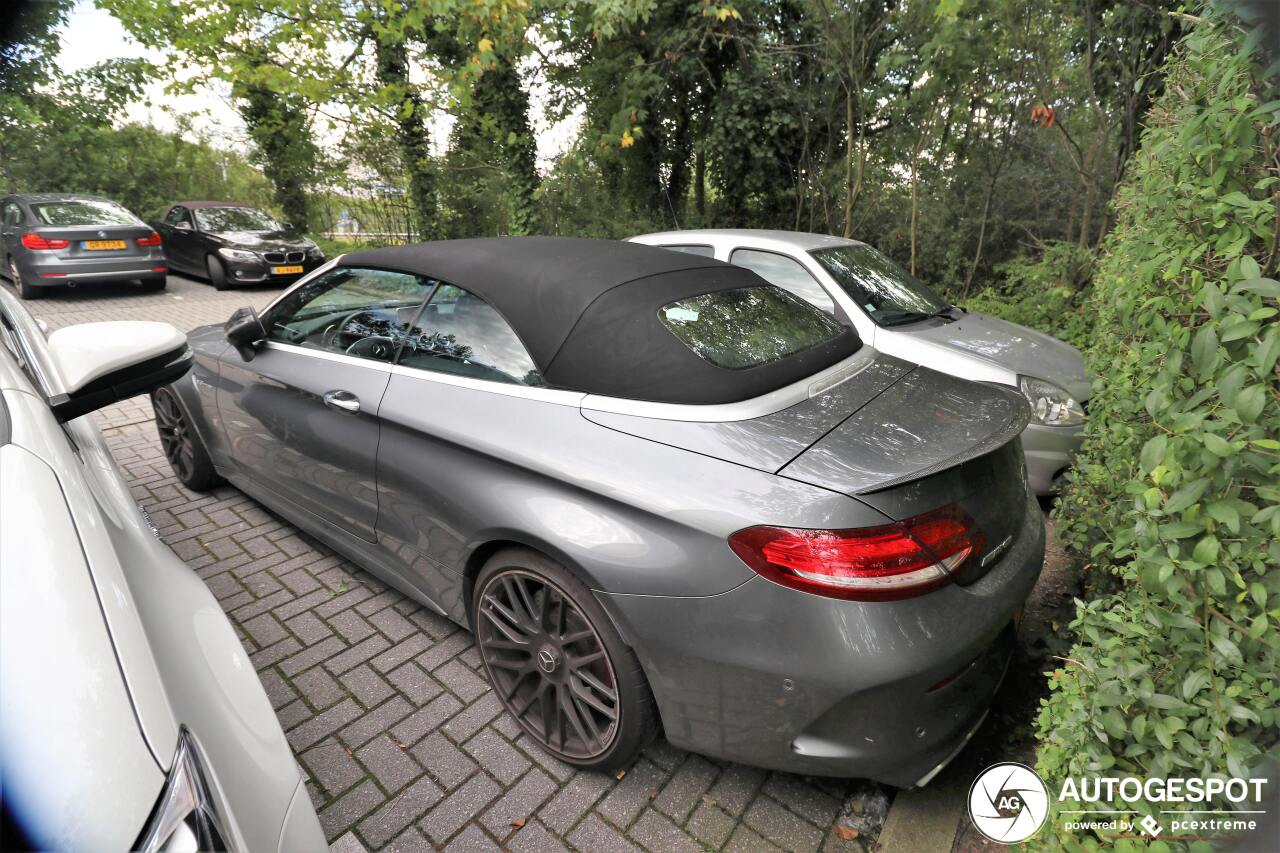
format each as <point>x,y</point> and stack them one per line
<point>1177,672</point>
<point>1049,293</point>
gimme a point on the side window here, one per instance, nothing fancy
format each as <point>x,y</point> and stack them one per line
<point>459,333</point>
<point>360,312</point>
<point>176,215</point>
<point>784,272</point>
<point>700,251</point>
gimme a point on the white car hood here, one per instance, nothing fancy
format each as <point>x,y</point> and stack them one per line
<point>1013,347</point>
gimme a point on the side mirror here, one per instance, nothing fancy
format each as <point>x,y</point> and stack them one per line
<point>243,330</point>
<point>102,363</point>
<point>183,226</point>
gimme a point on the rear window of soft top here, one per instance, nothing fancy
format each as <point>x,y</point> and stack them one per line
<point>747,326</point>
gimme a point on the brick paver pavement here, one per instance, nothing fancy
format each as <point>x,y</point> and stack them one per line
<point>385,703</point>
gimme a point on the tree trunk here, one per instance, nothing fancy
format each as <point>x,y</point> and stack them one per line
<point>500,97</point>
<point>915,189</point>
<point>700,184</point>
<point>680,153</point>
<point>848,163</point>
<point>413,136</point>
<point>986,205</point>
<point>278,127</point>
<point>982,233</point>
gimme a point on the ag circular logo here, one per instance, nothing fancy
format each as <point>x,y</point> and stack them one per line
<point>1008,802</point>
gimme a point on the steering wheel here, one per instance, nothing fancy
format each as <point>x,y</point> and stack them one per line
<point>336,330</point>
<point>379,347</point>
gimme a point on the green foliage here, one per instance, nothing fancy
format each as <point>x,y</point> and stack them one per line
<point>1049,293</point>
<point>574,201</point>
<point>64,138</point>
<point>1176,671</point>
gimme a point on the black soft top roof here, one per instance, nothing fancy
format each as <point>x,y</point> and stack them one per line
<point>587,311</point>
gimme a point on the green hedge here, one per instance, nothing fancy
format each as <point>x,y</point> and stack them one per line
<point>1174,671</point>
<point>1049,293</point>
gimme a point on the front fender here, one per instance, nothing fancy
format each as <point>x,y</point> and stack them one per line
<point>197,393</point>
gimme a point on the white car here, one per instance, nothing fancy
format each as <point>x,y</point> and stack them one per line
<point>899,315</point>
<point>130,715</point>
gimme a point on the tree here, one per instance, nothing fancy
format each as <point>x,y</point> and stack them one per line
<point>28,48</point>
<point>246,51</point>
<point>288,157</point>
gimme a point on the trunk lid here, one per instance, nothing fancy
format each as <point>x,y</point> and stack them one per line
<point>900,438</point>
<point>767,443</point>
<point>927,442</point>
<point>90,242</point>
<point>924,423</point>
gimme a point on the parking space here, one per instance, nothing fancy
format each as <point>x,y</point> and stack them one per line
<point>385,703</point>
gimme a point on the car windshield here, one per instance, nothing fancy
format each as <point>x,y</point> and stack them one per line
<point>887,292</point>
<point>68,214</point>
<point>219,219</point>
<point>748,326</point>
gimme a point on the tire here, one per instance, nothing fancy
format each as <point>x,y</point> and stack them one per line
<point>25,289</point>
<point>527,658</point>
<point>217,273</point>
<point>154,284</point>
<point>181,444</point>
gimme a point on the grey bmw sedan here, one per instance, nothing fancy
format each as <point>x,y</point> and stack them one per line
<point>658,489</point>
<point>62,240</point>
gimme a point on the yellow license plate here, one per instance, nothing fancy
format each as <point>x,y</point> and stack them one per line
<point>286,270</point>
<point>99,245</point>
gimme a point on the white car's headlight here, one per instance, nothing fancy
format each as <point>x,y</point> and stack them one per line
<point>237,255</point>
<point>1050,403</point>
<point>185,818</point>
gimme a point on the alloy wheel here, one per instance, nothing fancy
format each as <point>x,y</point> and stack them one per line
<point>175,436</point>
<point>548,664</point>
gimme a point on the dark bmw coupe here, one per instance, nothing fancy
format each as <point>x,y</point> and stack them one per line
<point>230,244</point>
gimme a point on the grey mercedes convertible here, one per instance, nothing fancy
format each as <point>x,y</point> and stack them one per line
<point>657,489</point>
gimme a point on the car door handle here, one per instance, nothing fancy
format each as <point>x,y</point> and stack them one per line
<point>343,401</point>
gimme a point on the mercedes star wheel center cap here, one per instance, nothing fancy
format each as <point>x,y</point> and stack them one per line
<point>547,661</point>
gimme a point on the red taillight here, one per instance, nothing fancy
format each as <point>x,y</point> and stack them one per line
<point>159,269</point>
<point>152,240</point>
<point>32,240</point>
<point>891,561</point>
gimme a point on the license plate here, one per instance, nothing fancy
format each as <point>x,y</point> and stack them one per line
<point>286,270</point>
<point>100,245</point>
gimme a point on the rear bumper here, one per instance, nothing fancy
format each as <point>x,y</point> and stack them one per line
<point>51,278</point>
<point>1049,451</point>
<point>782,679</point>
<point>39,268</point>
